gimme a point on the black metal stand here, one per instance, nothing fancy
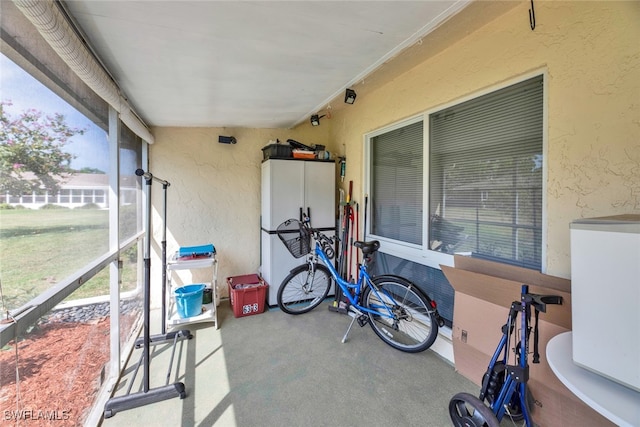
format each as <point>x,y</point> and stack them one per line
<point>164,335</point>
<point>168,391</point>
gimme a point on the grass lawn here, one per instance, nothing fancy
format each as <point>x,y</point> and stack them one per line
<point>38,248</point>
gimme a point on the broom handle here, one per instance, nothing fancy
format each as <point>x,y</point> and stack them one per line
<point>366,210</point>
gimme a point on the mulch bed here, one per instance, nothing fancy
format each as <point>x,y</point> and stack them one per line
<point>59,367</point>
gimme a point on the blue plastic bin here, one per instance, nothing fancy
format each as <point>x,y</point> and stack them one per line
<point>189,300</point>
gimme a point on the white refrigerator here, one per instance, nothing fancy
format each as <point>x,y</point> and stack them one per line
<point>291,188</point>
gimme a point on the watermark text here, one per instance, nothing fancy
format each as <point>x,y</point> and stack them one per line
<point>36,415</point>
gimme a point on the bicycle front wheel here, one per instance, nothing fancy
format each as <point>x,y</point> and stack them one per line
<point>304,289</point>
<point>414,325</point>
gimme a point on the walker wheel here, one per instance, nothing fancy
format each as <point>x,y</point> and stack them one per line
<point>467,410</point>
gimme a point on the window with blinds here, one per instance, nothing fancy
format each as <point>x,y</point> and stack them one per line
<point>397,184</point>
<point>485,176</point>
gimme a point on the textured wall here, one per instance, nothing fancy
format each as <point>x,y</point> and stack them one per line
<point>214,196</point>
<point>591,56</point>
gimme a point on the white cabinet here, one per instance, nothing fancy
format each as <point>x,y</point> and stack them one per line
<point>209,311</point>
<point>605,296</point>
<point>290,188</point>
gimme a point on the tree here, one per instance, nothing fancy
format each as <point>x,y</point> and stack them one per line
<point>89,170</point>
<point>32,156</point>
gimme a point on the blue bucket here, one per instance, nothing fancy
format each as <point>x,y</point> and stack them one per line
<point>189,300</point>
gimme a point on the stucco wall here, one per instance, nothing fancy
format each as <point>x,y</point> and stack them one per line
<point>214,196</point>
<point>590,54</point>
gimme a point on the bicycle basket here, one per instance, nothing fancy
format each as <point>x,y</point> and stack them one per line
<point>295,236</point>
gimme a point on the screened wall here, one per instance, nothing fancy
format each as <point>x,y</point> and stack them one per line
<point>70,225</point>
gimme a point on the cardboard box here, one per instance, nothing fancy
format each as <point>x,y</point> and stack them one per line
<point>484,291</point>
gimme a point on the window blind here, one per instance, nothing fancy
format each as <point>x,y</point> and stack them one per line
<point>486,175</point>
<point>397,184</point>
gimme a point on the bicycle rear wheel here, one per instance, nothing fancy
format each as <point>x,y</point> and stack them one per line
<point>414,326</point>
<point>304,289</point>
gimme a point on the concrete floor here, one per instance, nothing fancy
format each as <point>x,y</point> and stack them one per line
<point>275,369</point>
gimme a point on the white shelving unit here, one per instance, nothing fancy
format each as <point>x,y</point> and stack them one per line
<point>210,311</point>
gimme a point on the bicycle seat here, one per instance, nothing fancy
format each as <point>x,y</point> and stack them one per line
<point>367,247</point>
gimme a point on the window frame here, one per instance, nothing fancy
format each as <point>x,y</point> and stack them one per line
<point>421,254</point>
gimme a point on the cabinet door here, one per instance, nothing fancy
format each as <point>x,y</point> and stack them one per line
<point>319,192</point>
<point>282,191</point>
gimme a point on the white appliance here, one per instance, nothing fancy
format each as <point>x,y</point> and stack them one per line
<point>605,297</point>
<point>290,188</point>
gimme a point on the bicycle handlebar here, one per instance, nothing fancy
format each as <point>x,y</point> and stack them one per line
<point>325,241</point>
<point>539,302</point>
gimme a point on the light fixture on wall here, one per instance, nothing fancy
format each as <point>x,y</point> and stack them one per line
<point>226,139</point>
<point>350,96</point>
<point>315,120</point>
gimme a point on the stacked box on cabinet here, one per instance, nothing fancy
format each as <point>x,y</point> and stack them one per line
<point>304,154</point>
<point>277,151</point>
<point>247,294</point>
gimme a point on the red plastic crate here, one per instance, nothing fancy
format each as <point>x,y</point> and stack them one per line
<point>247,294</point>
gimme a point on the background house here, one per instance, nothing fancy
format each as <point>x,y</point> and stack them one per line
<point>76,190</point>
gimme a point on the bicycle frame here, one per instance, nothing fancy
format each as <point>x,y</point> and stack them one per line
<point>504,386</point>
<point>363,280</point>
<point>517,375</point>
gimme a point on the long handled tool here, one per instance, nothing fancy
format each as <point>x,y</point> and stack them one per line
<point>358,232</point>
<point>339,251</point>
<point>351,233</point>
<point>338,247</point>
<point>348,215</point>
<point>366,210</point>
<point>344,247</point>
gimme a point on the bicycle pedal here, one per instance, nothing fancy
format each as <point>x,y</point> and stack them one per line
<point>363,320</point>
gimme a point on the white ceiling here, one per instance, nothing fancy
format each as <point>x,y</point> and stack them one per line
<point>255,64</point>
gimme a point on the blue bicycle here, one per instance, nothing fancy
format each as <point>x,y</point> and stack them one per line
<point>397,310</point>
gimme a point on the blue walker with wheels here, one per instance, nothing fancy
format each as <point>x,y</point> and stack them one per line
<point>504,386</point>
